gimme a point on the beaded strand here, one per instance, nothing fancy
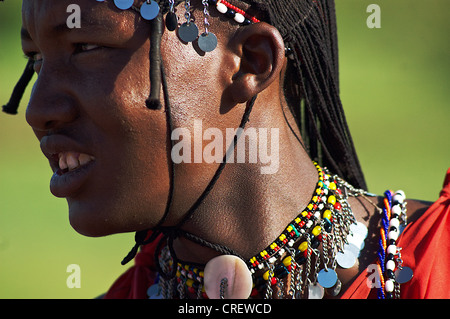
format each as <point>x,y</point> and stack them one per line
<point>394,208</point>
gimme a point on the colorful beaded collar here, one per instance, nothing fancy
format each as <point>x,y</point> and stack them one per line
<point>327,221</point>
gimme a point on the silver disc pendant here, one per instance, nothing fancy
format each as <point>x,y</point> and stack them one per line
<point>359,229</point>
<point>403,275</point>
<point>335,290</point>
<point>124,4</point>
<point>327,278</point>
<point>154,292</point>
<point>188,32</point>
<point>346,259</point>
<point>315,291</point>
<point>207,42</point>
<point>149,11</point>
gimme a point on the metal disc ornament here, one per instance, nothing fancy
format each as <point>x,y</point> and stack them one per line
<point>346,259</point>
<point>149,11</point>
<point>403,275</point>
<point>327,278</point>
<point>207,42</point>
<point>171,21</point>
<point>154,292</point>
<point>359,229</point>
<point>124,4</point>
<point>188,32</point>
<point>315,291</point>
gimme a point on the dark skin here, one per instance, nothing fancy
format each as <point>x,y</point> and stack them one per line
<point>90,98</point>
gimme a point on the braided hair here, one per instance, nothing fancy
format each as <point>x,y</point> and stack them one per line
<point>311,84</point>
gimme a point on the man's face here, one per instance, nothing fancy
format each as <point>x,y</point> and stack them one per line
<point>110,154</point>
<point>106,149</point>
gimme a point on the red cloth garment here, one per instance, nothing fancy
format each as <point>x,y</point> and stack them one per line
<point>425,249</point>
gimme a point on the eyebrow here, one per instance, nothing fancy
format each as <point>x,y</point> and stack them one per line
<point>63,28</point>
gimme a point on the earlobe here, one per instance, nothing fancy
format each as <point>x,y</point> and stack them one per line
<point>260,48</point>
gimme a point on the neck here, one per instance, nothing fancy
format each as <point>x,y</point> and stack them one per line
<point>247,210</point>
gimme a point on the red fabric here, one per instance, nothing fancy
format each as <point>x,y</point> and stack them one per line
<point>425,249</point>
<point>133,284</point>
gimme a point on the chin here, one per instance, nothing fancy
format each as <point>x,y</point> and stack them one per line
<point>98,221</point>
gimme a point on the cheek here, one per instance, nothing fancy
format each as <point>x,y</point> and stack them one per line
<point>129,189</point>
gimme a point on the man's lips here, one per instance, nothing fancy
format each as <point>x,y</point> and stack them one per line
<point>70,163</point>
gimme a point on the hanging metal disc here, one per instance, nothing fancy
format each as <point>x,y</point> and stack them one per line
<point>188,32</point>
<point>403,275</point>
<point>327,278</point>
<point>149,11</point>
<point>207,42</point>
<point>124,4</point>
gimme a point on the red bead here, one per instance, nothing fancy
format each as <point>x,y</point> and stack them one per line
<point>274,281</point>
<point>191,290</point>
<point>338,206</point>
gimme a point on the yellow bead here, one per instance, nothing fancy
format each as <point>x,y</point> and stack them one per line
<point>297,220</point>
<point>201,274</point>
<point>310,206</point>
<point>287,261</point>
<point>318,191</point>
<point>289,228</point>
<point>303,246</point>
<point>178,274</point>
<point>266,275</point>
<point>315,199</point>
<point>282,237</point>
<point>332,186</point>
<point>332,200</point>
<point>304,213</point>
<point>317,230</point>
<point>189,282</point>
<point>327,214</point>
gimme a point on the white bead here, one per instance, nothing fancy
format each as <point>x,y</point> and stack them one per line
<point>390,265</point>
<point>402,193</point>
<point>222,8</point>
<point>309,224</point>
<point>291,243</point>
<point>392,249</point>
<point>394,223</point>
<point>239,18</point>
<point>389,285</point>
<point>393,235</point>
<point>399,198</point>
<point>317,214</point>
<point>396,209</point>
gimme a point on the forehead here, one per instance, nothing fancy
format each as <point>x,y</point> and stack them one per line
<point>51,15</point>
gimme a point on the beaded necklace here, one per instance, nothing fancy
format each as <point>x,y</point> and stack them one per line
<point>328,223</point>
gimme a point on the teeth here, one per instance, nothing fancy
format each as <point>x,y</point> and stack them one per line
<point>73,160</point>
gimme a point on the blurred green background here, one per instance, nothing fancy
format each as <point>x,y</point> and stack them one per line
<point>394,85</point>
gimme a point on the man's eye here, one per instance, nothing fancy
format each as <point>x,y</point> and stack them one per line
<point>34,56</point>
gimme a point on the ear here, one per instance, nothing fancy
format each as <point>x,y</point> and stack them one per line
<point>260,51</point>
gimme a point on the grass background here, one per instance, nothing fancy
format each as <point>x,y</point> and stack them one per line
<point>394,85</point>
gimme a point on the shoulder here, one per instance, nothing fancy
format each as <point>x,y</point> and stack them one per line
<point>416,208</point>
